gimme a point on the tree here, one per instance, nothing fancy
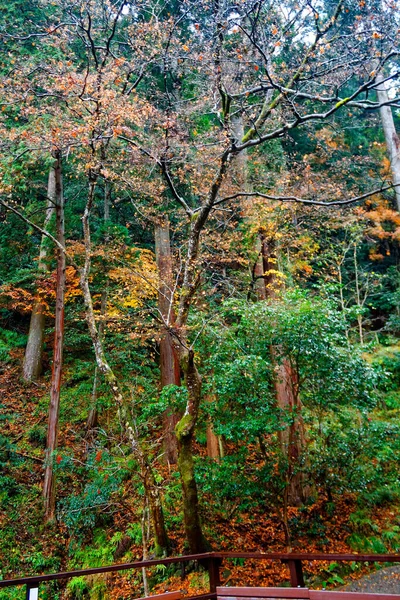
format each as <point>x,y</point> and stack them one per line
<point>52,430</point>
<point>308,336</point>
<point>169,364</point>
<point>172,126</point>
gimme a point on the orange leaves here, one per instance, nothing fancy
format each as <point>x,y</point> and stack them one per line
<point>16,298</point>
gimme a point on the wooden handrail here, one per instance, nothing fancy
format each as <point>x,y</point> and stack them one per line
<point>213,561</point>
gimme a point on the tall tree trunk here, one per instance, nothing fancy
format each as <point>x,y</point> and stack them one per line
<point>185,432</point>
<point>32,366</point>
<point>292,438</point>
<point>391,137</point>
<point>169,360</point>
<point>52,432</point>
<point>358,297</point>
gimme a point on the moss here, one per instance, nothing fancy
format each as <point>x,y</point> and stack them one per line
<point>342,102</point>
<point>184,426</point>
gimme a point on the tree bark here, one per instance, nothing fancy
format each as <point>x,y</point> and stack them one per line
<point>391,137</point>
<point>214,442</point>
<point>32,366</point>
<point>292,438</point>
<point>52,432</point>
<point>169,360</point>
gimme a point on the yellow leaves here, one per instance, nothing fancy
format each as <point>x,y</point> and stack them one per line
<point>133,279</point>
<point>72,288</point>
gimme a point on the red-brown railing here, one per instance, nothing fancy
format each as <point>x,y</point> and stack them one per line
<point>210,560</point>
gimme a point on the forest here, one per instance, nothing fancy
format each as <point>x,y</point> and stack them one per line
<point>199,286</point>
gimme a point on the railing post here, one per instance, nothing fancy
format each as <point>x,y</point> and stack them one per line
<point>32,592</point>
<point>213,571</point>
<point>296,572</point>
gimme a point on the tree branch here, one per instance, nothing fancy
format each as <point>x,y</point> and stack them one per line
<point>298,200</point>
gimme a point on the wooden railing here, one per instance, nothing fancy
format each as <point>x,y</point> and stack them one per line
<point>210,560</point>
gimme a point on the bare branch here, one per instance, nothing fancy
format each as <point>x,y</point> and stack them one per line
<point>298,200</point>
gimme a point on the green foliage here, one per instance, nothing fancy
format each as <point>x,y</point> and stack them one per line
<point>98,553</point>
<point>8,341</point>
<point>103,473</point>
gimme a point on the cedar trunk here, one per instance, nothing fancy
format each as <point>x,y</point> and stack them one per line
<point>32,366</point>
<point>292,439</point>
<point>169,361</point>
<point>52,431</point>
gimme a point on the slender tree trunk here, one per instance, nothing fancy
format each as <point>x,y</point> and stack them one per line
<point>32,366</point>
<point>169,361</point>
<point>258,272</point>
<point>93,415</point>
<point>342,303</point>
<point>391,136</point>
<point>358,297</point>
<point>145,543</point>
<point>52,432</point>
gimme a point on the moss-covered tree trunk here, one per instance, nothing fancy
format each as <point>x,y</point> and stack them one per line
<point>185,432</point>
